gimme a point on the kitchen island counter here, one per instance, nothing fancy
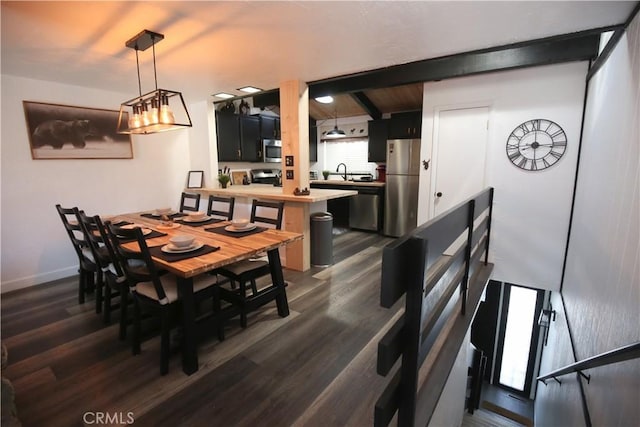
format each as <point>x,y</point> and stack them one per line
<point>297,211</point>
<point>341,183</point>
<point>269,192</point>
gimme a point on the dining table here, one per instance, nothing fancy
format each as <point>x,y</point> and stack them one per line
<point>225,245</point>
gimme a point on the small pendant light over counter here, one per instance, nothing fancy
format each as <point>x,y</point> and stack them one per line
<point>160,110</point>
<point>335,132</point>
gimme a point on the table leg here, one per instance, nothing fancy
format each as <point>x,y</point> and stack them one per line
<point>278,281</point>
<point>189,336</point>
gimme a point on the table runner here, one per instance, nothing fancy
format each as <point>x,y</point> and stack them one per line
<point>159,217</point>
<point>221,230</point>
<point>156,251</point>
<point>201,223</point>
<point>152,235</point>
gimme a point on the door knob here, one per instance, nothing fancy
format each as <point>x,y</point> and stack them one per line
<point>439,194</point>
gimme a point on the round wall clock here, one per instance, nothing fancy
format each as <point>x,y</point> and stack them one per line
<point>536,144</point>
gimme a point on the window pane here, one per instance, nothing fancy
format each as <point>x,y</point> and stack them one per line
<point>517,340</point>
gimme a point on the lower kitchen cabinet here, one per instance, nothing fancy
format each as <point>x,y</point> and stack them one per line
<point>363,211</point>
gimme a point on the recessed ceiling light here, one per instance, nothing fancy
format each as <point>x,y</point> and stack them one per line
<point>250,89</point>
<point>325,99</point>
<point>223,95</point>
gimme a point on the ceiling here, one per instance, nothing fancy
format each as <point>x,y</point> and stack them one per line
<point>216,46</point>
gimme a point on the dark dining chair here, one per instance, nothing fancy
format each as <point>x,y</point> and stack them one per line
<point>111,279</point>
<point>221,206</point>
<point>99,253</point>
<point>87,267</point>
<point>248,271</point>
<point>189,202</point>
<point>154,290</point>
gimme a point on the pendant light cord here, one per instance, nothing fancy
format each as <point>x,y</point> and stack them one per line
<point>138,67</point>
<point>153,46</point>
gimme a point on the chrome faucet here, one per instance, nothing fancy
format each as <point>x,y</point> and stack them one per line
<point>345,170</point>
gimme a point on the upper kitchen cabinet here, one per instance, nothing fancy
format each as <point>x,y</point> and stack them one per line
<point>405,125</point>
<point>250,146</point>
<point>270,127</point>
<point>238,137</point>
<point>228,132</point>
<point>378,135</point>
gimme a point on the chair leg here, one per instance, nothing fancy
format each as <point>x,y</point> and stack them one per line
<point>254,288</point>
<point>81,285</point>
<point>136,327</point>
<point>90,283</point>
<point>124,309</point>
<point>243,310</point>
<point>99,296</point>
<point>106,313</point>
<point>164,341</point>
<point>217,308</point>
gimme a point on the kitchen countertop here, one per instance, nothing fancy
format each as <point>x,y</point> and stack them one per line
<point>348,183</point>
<point>269,192</point>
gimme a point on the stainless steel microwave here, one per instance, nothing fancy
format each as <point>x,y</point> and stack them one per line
<point>271,150</point>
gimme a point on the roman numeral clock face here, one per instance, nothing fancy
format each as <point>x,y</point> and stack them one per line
<point>536,144</point>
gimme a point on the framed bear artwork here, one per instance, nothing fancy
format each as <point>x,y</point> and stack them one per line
<point>68,132</point>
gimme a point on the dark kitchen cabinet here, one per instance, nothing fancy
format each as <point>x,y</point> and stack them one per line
<point>238,137</point>
<point>378,135</point>
<point>405,125</point>
<point>228,132</point>
<point>313,142</point>
<point>250,147</point>
<point>270,127</point>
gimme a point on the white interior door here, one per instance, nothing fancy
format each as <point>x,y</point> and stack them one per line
<point>460,147</point>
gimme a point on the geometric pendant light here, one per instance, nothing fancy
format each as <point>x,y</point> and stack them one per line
<point>160,110</point>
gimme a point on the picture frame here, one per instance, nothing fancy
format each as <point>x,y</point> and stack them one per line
<point>195,179</point>
<point>59,131</point>
<point>238,177</point>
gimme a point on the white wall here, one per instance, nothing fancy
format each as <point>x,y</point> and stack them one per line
<point>450,408</point>
<point>531,209</point>
<point>34,245</point>
<point>601,288</point>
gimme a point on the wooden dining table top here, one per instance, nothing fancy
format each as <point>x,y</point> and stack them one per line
<point>232,249</point>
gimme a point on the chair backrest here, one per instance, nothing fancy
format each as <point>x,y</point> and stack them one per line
<point>189,202</point>
<point>218,200</point>
<point>99,242</point>
<point>267,212</point>
<point>137,265</point>
<point>70,220</point>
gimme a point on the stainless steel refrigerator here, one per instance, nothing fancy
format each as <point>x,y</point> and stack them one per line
<point>401,190</point>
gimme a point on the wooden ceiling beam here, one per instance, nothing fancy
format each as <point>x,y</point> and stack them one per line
<point>553,50</point>
<point>367,105</point>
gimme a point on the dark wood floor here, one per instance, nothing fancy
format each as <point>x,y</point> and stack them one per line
<point>314,367</point>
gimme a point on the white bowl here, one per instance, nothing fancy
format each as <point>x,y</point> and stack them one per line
<point>240,222</point>
<point>162,211</point>
<point>196,215</point>
<point>182,240</point>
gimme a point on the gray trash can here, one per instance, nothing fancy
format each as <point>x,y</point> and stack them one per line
<point>321,239</point>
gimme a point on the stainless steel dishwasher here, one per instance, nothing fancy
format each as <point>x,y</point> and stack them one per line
<point>364,209</point>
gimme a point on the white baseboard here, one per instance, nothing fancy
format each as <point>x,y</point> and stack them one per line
<point>25,282</point>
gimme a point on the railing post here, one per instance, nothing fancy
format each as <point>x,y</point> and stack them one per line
<point>467,255</point>
<point>413,318</point>
<point>486,248</point>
